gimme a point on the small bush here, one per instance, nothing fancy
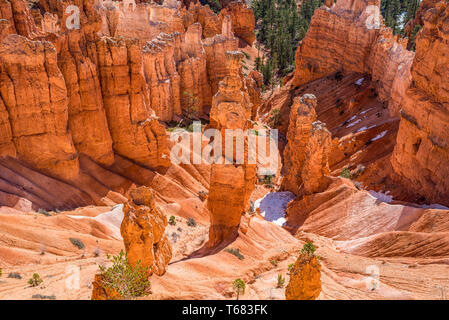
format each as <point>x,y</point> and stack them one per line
<point>281,281</point>
<point>274,263</point>
<point>239,287</point>
<point>191,222</point>
<point>235,252</point>
<point>35,280</point>
<point>268,179</point>
<point>172,221</point>
<point>275,119</point>
<point>44,212</point>
<point>309,248</point>
<point>128,281</point>
<point>290,267</point>
<point>345,173</point>
<point>77,243</point>
<point>42,297</point>
<point>14,275</point>
<point>247,55</point>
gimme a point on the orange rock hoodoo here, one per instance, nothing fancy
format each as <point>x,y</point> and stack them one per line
<point>142,229</point>
<point>230,184</point>
<point>305,279</point>
<point>306,154</point>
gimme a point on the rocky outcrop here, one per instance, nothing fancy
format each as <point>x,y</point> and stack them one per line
<point>143,234</point>
<point>305,279</point>
<point>243,21</point>
<point>231,182</point>
<point>306,155</point>
<point>422,146</point>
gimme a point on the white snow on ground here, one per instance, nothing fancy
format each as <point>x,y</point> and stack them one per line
<point>365,111</point>
<point>353,123</point>
<point>359,82</point>
<point>384,197</point>
<point>111,219</point>
<point>273,205</point>
<point>366,128</point>
<point>434,206</point>
<point>380,135</point>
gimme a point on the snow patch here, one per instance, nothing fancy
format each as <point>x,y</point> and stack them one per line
<point>359,82</point>
<point>353,123</point>
<point>380,135</point>
<point>272,206</point>
<point>384,197</point>
<point>434,206</point>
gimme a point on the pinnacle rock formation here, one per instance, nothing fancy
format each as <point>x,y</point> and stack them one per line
<point>142,229</point>
<point>306,154</point>
<point>305,279</point>
<point>230,184</point>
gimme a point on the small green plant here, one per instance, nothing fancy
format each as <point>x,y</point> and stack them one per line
<point>274,263</point>
<point>290,267</point>
<point>44,212</point>
<point>172,221</point>
<point>275,119</point>
<point>345,173</point>
<point>247,55</point>
<point>308,248</point>
<point>191,222</point>
<point>35,280</point>
<point>43,297</point>
<point>239,287</point>
<point>281,281</point>
<point>77,243</point>
<point>128,281</point>
<point>268,179</point>
<point>235,252</point>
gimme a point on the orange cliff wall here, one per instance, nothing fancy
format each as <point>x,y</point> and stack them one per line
<point>340,39</point>
<point>421,155</point>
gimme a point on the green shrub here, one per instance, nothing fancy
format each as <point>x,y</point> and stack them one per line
<point>275,119</point>
<point>191,222</point>
<point>308,248</point>
<point>268,179</point>
<point>345,173</point>
<point>290,267</point>
<point>42,297</point>
<point>77,243</point>
<point>44,212</point>
<point>281,281</point>
<point>35,280</point>
<point>128,281</point>
<point>172,221</point>
<point>239,287</point>
<point>274,263</point>
<point>235,252</point>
